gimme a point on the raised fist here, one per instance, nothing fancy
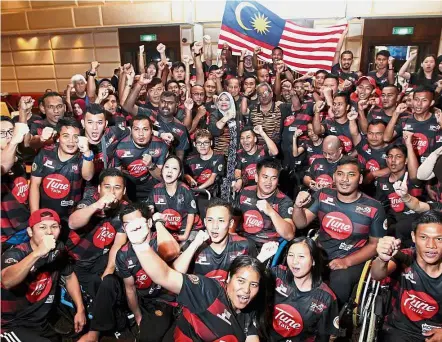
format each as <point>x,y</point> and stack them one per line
<point>147,159</point>
<point>257,50</point>
<point>145,79</point>
<point>47,133</point>
<point>408,137</point>
<point>258,129</point>
<point>207,40</point>
<point>94,65</point>
<point>161,48</point>
<point>401,108</point>
<point>46,245</point>
<point>188,104</point>
<point>302,199</point>
<point>186,59</point>
<point>387,247</point>
<point>26,103</point>
<point>20,130</point>
<point>319,106</point>
<point>352,114</point>
<point>83,145</point>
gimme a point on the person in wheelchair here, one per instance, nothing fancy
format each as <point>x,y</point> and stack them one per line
<point>250,154</point>
<point>29,278</point>
<point>204,169</point>
<point>175,201</point>
<point>212,253</point>
<point>351,224</point>
<point>417,311</point>
<point>305,307</point>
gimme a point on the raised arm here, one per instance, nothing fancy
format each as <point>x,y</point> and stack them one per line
<point>389,133</point>
<point>353,126</point>
<point>198,48</point>
<point>412,161</point>
<point>208,53</point>
<point>271,146</point>
<point>403,71</point>
<point>425,171</point>
<point>339,46</point>
<point>91,87</point>
<point>129,106</point>
<point>182,263</point>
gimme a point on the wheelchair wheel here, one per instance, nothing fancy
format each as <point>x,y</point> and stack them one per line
<point>368,317</point>
<point>360,289</point>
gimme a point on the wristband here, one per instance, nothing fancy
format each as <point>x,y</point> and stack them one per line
<point>152,167</point>
<point>408,197</point>
<point>89,73</point>
<point>158,221</point>
<point>90,158</point>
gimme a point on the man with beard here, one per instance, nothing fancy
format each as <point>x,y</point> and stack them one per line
<point>58,171</point>
<point>266,211</point>
<point>141,157</point>
<point>423,124</point>
<point>342,68</point>
<point>277,57</point>
<point>169,129</point>
<point>384,73</point>
<point>417,313</point>
<point>250,155</point>
<point>304,96</point>
<point>43,131</point>
<point>351,224</point>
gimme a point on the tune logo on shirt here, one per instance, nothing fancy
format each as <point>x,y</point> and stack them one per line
<point>56,186</point>
<point>420,143</point>
<point>337,225</point>
<point>137,168</point>
<point>417,306</point>
<point>173,219</point>
<point>104,235</point>
<point>142,280</point>
<point>39,288</point>
<point>250,171</point>
<point>287,321</point>
<point>324,181</point>
<point>372,165</point>
<point>289,120</point>
<point>348,145</point>
<point>396,202</point>
<point>20,189</point>
<point>204,176</point>
<point>219,275</point>
<point>253,221</point>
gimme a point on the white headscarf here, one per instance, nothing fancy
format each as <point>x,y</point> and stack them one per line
<point>232,103</point>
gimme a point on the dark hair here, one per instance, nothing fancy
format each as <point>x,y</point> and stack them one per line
<point>430,216</point>
<point>233,78</point>
<point>321,71</point>
<point>316,255</point>
<point>347,52</point>
<point>400,147</point>
<point>377,122</point>
<point>384,53</point>
<point>278,48</point>
<point>154,64</point>
<point>264,298</point>
<point>95,109</point>
<point>246,77</point>
<point>434,74</point>
<point>116,70</point>
<point>219,202</point>
<point>168,94</point>
<point>131,207</point>
<point>67,122</point>
<point>140,117</point>
<point>155,81</point>
<point>348,160</point>
<point>6,118</point>
<point>170,82</point>
<point>389,85</point>
<point>270,163</point>
<point>180,162</point>
<point>246,129</point>
<point>329,75</point>
<point>177,65</point>
<point>424,89</point>
<point>111,172</point>
<point>343,94</point>
<point>50,94</point>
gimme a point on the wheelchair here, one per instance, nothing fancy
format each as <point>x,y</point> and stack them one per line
<point>202,200</point>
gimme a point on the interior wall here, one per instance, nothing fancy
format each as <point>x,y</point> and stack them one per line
<point>36,63</point>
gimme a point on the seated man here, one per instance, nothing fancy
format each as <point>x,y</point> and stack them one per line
<point>251,154</point>
<point>266,211</point>
<point>29,279</point>
<point>351,224</point>
<point>417,311</point>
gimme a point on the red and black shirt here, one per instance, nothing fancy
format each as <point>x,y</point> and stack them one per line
<point>371,159</point>
<point>378,113</point>
<point>346,227</point>
<point>201,170</point>
<point>342,131</point>
<point>321,171</point>
<point>247,163</point>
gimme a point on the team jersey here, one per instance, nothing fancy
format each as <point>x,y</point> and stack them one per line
<point>417,308</point>
<point>351,76</point>
<point>28,303</point>
<point>129,157</point>
<point>208,315</point>
<point>14,201</point>
<point>256,225</point>
<point>27,154</point>
<point>397,210</point>
<point>342,131</point>
<point>371,159</point>
<point>302,316</point>
<point>37,126</point>
<point>247,163</point>
<point>321,171</point>
<point>201,170</point>
<point>209,263</point>
<point>61,181</point>
<point>87,244</point>
<point>426,134</point>
<point>382,80</point>
<point>175,208</point>
<point>312,151</point>
<point>176,128</point>
<point>346,227</point>
<point>377,113</point>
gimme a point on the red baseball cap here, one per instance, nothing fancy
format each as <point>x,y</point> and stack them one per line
<point>367,78</point>
<point>43,215</point>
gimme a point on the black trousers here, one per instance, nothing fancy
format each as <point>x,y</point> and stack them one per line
<point>22,334</point>
<point>90,277</point>
<point>389,334</point>
<point>156,321</point>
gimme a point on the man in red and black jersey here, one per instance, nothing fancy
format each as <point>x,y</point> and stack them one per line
<point>311,146</point>
<point>58,171</point>
<point>203,170</point>
<point>95,231</point>
<point>29,279</point>
<point>351,224</point>
<point>141,157</point>
<point>417,310</point>
<point>102,140</point>
<point>266,211</point>
<point>320,173</point>
<point>402,164</point>
<point>423,123</point>
<point>214,257</point>
<point>14,183</point>
<point>251,154</point>
<point>169,129</point>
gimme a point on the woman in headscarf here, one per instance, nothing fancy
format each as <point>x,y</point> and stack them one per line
<point>225,125</point>
<point>79,109</point>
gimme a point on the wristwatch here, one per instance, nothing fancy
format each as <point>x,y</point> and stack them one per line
<point>90,158</point>
<point>88,73</point>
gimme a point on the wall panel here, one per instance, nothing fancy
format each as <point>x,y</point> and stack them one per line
<point>33,57</point>
<point>70,41</point>
<point>8,73</point>
<point>74,56</point>
<point>35,72</point>
<point>9,86</point>
<point>36,86</point>
<point>24,43</point>
<point>50,19</point>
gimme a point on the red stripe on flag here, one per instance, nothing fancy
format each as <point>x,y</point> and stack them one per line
<point>312,34</point>
<point>318,41</point>
<point>290,47</point>
<point>243,36</point>
<point>287,52</point>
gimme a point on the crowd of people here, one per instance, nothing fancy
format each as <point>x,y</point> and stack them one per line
<point>164,192</point>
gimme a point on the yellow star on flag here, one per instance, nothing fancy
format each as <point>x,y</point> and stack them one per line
<point>260,23</point>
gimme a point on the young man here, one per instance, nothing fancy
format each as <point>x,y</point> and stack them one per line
<point>29,279</point>
<point>417,313</point>
<point>266,211</point>
<point>95,231</point>
<point>141,156</point>
<point>213,259</point>
<point>58,171</point>
<point>203,169</point>
<point>342,68</point>
<point>351,225</point>
<point>277,57</point>
<point>251,154</point>
<point>384,73</point>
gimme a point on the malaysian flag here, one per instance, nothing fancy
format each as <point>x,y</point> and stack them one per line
<point>247,24</point>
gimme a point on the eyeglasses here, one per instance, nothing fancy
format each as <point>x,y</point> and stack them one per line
<point>58,107</point>
<point>202,143</point>
<point>4,134</point>
<point>264,94</point>
<point>198,94</point>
